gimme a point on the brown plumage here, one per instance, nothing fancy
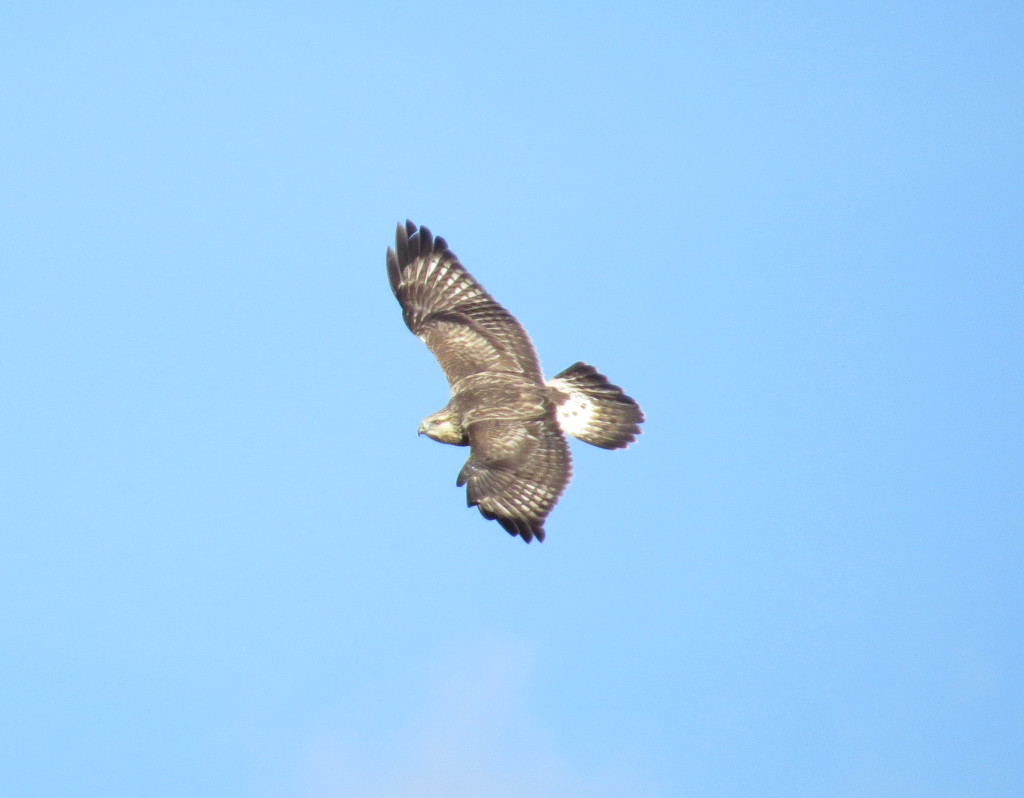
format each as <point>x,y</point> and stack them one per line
<point>513,422</point>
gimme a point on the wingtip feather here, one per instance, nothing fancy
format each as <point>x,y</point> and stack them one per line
<point>394,271</point>
<point>402,245</point>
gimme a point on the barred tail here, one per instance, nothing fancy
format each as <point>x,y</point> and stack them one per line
<point>592,409</point>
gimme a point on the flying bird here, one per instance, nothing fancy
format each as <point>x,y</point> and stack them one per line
<point>513,421</point>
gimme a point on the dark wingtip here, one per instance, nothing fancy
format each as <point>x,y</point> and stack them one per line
<point>417,241</point>
<point>426,240</point>
<point>527,530</point>
<point>394,271</point>
<point>402,244</point>
<point>411,241</point>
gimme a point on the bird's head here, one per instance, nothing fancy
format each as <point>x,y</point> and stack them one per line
<point>442,427</point>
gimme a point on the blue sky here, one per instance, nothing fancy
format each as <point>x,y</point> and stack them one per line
<point>792,231</point>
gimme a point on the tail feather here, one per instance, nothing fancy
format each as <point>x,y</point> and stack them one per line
<point>593,409</point>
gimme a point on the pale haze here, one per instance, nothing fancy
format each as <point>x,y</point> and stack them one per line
<point>229,567</point>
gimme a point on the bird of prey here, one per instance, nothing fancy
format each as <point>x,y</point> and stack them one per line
<point>513,421</point>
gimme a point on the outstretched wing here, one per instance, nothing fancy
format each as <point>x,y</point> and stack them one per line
<point>519,460</point>
<point>516,472</point>
<point>463,326</point>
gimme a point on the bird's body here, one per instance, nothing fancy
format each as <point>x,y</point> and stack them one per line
<point>513,421</point>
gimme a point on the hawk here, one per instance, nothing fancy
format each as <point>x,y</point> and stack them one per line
<point>513,422</point>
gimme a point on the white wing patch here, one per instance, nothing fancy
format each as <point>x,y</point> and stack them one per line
<point>576,412</point>
<point>431,263</point>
